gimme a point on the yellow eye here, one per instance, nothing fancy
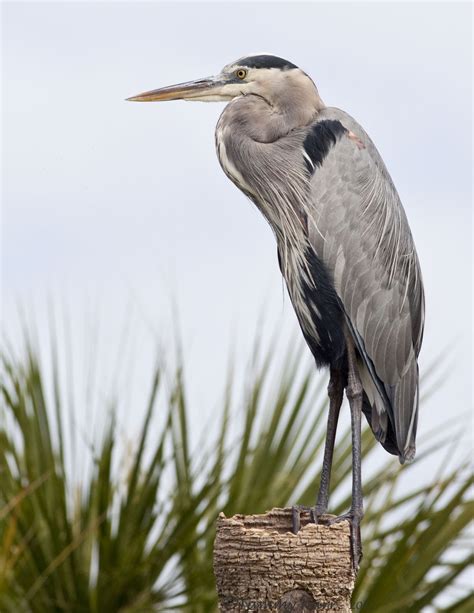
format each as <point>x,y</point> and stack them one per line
<point>241,73</point>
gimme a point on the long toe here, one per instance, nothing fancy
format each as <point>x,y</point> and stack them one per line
<point>310,513</point>
<point>317,512</point>
<point>295,519</point>
<point>356,543</point>
<point>354,520</point>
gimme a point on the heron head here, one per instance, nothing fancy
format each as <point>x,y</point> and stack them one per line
<point>267,76</point>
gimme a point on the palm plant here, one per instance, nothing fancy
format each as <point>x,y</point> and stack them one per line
<point>141,539</point>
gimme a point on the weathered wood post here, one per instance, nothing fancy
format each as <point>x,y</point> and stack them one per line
<point>260,565</point>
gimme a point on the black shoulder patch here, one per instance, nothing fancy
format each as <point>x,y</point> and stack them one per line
<point>322,136</point>
<point>327,316</point>
<point>266,61</point>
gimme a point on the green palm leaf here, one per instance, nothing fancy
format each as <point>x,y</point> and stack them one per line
<point>141,539</point>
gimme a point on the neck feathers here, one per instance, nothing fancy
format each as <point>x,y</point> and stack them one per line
<point>296,98</point>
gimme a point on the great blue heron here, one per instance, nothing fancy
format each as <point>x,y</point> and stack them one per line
<point>344,247</point>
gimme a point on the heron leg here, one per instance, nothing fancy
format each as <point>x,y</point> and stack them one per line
<point>335,393</point>
<point>354,392</point>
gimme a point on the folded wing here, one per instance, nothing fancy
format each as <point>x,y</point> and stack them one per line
<point>358,228</point>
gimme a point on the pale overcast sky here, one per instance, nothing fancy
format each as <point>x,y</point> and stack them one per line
<point>122,209</point>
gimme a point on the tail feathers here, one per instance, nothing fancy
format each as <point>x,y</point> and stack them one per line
<point>405,408</point>
<point>381,427</point>
<point>394,424</point>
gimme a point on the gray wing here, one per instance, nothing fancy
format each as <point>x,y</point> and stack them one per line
<point>357,226</point>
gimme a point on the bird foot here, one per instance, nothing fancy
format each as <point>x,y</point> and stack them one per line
<point>315,516</point>
<point>354,518</point>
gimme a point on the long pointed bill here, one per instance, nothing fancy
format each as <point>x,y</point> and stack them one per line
<point>201,89</point>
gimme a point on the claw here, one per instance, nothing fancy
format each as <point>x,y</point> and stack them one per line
<point>295,519</point>
<point>314,516</point>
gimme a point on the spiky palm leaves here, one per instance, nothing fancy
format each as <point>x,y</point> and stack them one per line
<point>142,541</point>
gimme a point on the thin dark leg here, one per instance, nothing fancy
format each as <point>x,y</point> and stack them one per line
<point>354,393</point>
<point>335,392</point>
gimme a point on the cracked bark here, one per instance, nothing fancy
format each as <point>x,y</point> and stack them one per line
<point>260,565</point>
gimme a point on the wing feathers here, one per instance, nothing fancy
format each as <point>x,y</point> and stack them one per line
<point>365,242</point>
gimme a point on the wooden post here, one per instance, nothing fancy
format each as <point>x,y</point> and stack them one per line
<point>260,565</point>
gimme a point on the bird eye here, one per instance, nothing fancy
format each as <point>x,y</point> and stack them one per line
<point>241,73</point>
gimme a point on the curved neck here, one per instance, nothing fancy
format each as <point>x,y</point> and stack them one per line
<point>290,105</point>
<point>296,99</point>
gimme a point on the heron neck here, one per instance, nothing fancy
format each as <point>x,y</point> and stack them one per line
<point>265,122</point>
<point>263,157</point>
<point>296,99</point>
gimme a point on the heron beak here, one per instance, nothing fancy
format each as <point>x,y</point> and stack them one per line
<point>201,89</point>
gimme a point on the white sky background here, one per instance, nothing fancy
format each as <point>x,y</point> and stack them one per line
<point>117,210</point>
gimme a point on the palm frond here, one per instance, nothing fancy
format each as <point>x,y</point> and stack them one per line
<point>140,538</point>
